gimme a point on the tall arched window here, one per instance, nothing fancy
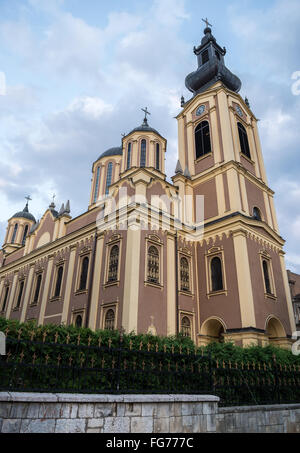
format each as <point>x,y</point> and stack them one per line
<point>78,321</point>
<point>256,214</point>
<point>108,177</point>
<point>153,265</point>
<point>37,288</point>
<point>84,273</point>
<point>202,139</point>
<point>128,155</point>
<point>244,140</point>
<point>113,264</point>
<point>109,323</point>
<point>143,153</point>
<point>21,288</point>
<point>25,234</point>
<point>184,275</point>
<point>5,298</point>
<point>186,327</point>
<point>14,234</point>
<point>216,274</point>
<point>267,277</point>
<point>157,163</point>
<point>58,281</point>
<point>97,184</point>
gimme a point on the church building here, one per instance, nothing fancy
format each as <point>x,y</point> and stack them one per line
<point>129,261</point>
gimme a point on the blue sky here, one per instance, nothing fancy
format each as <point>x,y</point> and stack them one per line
<point>77,74</point>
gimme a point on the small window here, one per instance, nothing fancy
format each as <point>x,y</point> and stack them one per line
<point>5,298</point>
<point>128,155</point>
<point>216,274</point>
<point>109,323</point>
<point>153,265</point>
<point>267,277</point>
<point>108,177</point>
<point>25,235</point>
<point>37,288</point>
<point>58,281</point>
<point>184,275</point>
<point>21,288</point>
<point>84,274</point>
<point>78,321</point>
<point>113,264</point>
<point>186,327</point>
<point>244,140</point>
<point>202,138</point>
<point>14,234</point>
<point>143,153</point>
<point>97,184</point>
<point>205,56</point>
<point>256,214</point>
<point>157,166</point>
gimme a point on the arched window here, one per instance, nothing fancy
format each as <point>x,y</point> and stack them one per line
<point>78,321</point>
<point>184,275</point>
<point>143,153</point>
<point>97,184</point>
<point>5,298</point>
<point>109,323</point>
<point>153,265</point>
<point>37,288</point>
<point>58,281</point>
<point>21,287</point>
<point>202,139</point>
<point>25,235</point>
<point>256,214</point>
<point>205,56</point>
<point>216,274</point>
<point>267,277</point>
<point>186,327</point>
<point>128,155</point>
<point>157,163</point>
<point>84,273</point>
<point>108,177</point>
<point>244,140</point>
<point>14,234</point>
<point>113,264</point>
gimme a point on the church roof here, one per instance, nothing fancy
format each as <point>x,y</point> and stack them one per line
<point>25,214</point>
<point>144,128</point>
<point>116,151</point>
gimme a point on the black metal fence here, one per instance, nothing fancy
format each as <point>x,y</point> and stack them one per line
<point>53,367</point>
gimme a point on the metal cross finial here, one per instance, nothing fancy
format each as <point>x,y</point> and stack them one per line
<point>28,198</point>
<point>207,23</point>
<point>146,112</point>
<point>53,196</point>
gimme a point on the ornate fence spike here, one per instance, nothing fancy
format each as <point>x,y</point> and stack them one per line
<point>56,337</point>
<point>34,357</point>
<point>21,356</point>
<point>58,359</point>
<point>130,345</point>
<point>32,335</point>
<point>44,336</point>
<point>6,331</point>
<point>89,340</point>
<point>78,340</point>
<point>70,361</point>
<point>148,346</point>
<point>229,364</point>
<point>68,338</point>
<point>165,348</point>
<point>19,333</point>
<point>141,345</point>
<point>47,359</point>
<point>102,362</point>
<point>156,347</point>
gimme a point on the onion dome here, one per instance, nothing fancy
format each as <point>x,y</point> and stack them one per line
<point>211,67</point>
<point>25,214</point>
<point>144,127</point>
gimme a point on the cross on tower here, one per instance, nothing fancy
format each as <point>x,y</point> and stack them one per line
<point>207,23</point>
<point>28,198</point>
<point>53,196</point>
<point>146,112</point>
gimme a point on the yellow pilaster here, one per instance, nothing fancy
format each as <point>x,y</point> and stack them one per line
<point>132,277</point>
<point>191,153</point>
<point>234,190</point>
<point>228,144</point>
<point>134,154</point>
<point>1,290</point>
<point>244,279</point>
<point>27,293</point>
<point>181,142</point>
<point>70,274</point>
<point>171,286</point>
<point>220,194</point>
<point>46,290</point>
<point>244,194</point>
<point>268,209</point>
<point>287,293</point>
<point>96,282</point>
<point>12,295</point>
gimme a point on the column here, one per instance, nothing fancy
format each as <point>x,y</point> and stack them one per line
<point>70,274</point>
<point>96,282</point>
<point>181,142</point>
<point>132,277</point>
<point>287,293</point>
<point>12,295</point>
<point>226,133</point>
<point>234,190</point>
<point>171,286</point>
<point>46,289</point>
<point>191,151</point>
<point>27,292</point>
<point>220,194</point>
<point>244,279</point>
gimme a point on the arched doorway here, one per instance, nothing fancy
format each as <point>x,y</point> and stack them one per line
<point>213,330</point>
<point>275,330</point>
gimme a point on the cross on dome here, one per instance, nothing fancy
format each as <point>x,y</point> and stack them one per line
<point>207,23</point>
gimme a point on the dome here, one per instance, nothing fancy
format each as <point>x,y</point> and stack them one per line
<point>116,151</point>
<point>144,128</point>
<point>25,214</point>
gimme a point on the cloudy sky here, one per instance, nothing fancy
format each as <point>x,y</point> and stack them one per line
<point>77,74</point>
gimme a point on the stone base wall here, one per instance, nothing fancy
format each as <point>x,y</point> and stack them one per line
<point>70,413</point>
<point>281,418</point>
